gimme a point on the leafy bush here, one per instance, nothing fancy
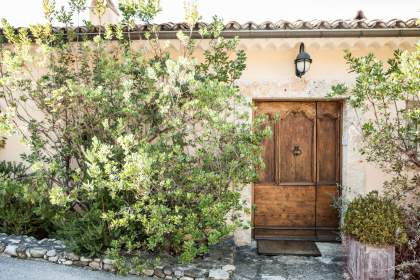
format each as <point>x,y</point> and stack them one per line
<point>158,197</point>
<point>407,255</point>
<point>84,234</point>
<point>24,206</point>
<point>391,135</point>
<point>139,149</point>
<point>375,220</point>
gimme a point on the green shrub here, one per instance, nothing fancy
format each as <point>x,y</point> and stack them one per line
<point>140,149</point>
<point>375,220</point>
<point>84,235</point>
<point>13,171</point>
<point>24,205</point>
<point>391,135</point>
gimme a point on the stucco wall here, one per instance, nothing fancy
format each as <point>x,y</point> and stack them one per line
<point>270,74</point>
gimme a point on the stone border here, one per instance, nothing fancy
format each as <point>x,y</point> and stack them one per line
<point>218,264</point>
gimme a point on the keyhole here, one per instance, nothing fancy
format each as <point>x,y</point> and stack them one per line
<point>296,150</point>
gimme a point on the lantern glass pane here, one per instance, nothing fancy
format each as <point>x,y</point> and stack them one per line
<point>300,66</point>
<point>307,65</point>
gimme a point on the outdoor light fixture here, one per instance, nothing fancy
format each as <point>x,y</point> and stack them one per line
<point>302,62</point>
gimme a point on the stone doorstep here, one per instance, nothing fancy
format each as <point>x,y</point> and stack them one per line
<point>216,265</point>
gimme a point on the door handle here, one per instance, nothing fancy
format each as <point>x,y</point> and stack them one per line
<point>296,150</point>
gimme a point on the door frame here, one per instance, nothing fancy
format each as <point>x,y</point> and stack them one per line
<point>340,150</point>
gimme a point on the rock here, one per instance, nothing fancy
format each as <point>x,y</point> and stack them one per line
<point>108,267</point>
<point>11,250</point>
<point>85,259</point>
<point>218,274</point>
<point>21,252</point>
<point>13,240</point>
<point>29,239</point>
<point>54,251</point>
<point>148,272</point>
<point>228,260</point>
<point>53,259</point>
<point>71,256</point>
<point>195,273</point>
<point>271,277</point>
<point>159,273</point>
<point>43,241</point>
<point>59,242</point>
<point>37,252</point>
<point>209,264</point>
<point>95,265</point>
<point>167,270</point>
<point>132,271</point>
<point>51,253</point>
<point>80,263</point>
<point>229,267</point>
<point>178,273</point>
<point>108,261</point>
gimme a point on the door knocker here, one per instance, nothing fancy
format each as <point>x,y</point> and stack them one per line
<point>296,150</point>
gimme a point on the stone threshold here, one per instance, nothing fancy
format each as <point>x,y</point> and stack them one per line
<point>217,264</point>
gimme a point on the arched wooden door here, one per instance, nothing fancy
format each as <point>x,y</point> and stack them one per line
<point>302,171</point>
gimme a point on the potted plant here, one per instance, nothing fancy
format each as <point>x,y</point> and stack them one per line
<point>373,226</point>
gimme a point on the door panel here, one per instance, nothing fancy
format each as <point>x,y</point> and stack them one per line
<point>295,142</point>
<point>284,205</point>
<point>280,208</point>
<point>326,215</point>
<point>296,152</point>
<point>328,168</point>
<point>294,196</point>
<point>267,175</point>
<point>328,125</point>
<point>284,234</point>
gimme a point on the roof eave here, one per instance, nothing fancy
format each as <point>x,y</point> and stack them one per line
<point>277,33</point>
<point>314,33</point>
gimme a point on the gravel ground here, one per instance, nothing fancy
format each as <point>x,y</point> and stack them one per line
<point>251,266</point>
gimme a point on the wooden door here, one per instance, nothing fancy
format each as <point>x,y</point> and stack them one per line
<point>293,197</point>
<point>328,168</point>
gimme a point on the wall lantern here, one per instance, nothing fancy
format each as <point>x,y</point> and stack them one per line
<point>302,62</point>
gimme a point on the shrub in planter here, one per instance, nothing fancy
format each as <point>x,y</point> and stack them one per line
<point>373,225</point>
<point>391,135</point>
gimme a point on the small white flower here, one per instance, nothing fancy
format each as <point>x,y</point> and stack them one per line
<point>172,68</point>
<point>151,73</point>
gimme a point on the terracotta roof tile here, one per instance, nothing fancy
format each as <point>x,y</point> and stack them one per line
<point>300,24</point>
<point>283,28</point>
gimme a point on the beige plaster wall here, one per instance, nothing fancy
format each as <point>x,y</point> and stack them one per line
<point>270,74</point>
